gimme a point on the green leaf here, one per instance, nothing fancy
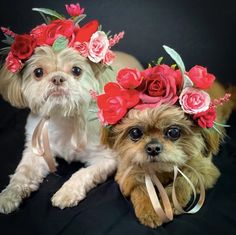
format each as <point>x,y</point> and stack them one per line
<point>79,18</point>
<point>5,50</point>
<point>49,12</point>
<point>178,60</point>
<point>176,57</point>
<point>160,60</point>
<point>8,39</point>
<point>100,27</point>
<point>60,43</point>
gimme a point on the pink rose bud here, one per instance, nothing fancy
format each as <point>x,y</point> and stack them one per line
<point>129,78</point>
<point>74,9</point>
<point>200,77</point>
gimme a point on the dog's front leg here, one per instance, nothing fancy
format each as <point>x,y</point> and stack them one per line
<point>27,177</point>
<point>74,190</point>
<point>143,207</point>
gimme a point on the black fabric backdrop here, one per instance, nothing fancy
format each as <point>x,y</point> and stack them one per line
<point>203,32</point>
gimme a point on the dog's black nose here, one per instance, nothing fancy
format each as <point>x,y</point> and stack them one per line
<point>57,80</point>
<point>153,148</point>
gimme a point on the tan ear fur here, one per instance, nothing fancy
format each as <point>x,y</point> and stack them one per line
<point>104,137</point>
<point>10,88</point>
<point>212,140</point>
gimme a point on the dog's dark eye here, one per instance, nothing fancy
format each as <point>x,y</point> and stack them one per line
<point>135,134</point>
<point>38,72</point>
<point>173,133</point>
<point>76,71</point>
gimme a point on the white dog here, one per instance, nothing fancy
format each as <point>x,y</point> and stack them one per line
<point>57,85</point>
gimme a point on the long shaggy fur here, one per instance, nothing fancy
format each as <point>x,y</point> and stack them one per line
<point>69,107</point>
<point>195,147</point>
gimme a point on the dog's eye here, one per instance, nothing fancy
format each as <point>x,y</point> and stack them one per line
<point>76,71</point>
<point>135,134</point>
<point>173,133</point>
<point>38,72</point>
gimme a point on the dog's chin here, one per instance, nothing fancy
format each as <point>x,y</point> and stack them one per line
<point>58,102</point>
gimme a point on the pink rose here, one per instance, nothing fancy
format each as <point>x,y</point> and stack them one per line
<point>158,87</point>
<point>129,78</point>
<point>13,64</point>
<point>206,119</point>
<point>109,57</point>
<point>98,46</point>
<point>200,77</point>
<point>74,9</point>
<point>114,104</point>
<point>82,48</point>
<point>194,101</point>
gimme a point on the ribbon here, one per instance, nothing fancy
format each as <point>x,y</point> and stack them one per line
<point>166,214</point>
<point>40,143</point>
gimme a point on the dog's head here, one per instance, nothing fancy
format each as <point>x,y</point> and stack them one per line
<point>163,136</point>
<point>50,82</point>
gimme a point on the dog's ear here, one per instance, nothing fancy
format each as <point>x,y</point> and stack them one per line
<point>10,88</point>
<point>106,137</point>
<point>212,140</point>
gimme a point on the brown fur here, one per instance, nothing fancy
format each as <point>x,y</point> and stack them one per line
<point>195,147</point>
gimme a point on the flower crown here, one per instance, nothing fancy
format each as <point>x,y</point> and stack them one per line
<point>59,33</point>
<point>161,84</point>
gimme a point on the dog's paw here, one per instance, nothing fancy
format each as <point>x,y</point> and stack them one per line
<point>9,201</point>
<point>147,216</point>
<point>67,196</point>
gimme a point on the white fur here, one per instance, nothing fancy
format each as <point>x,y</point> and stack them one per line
<point>69,120</point>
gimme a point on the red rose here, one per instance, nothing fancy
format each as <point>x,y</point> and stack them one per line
<point>114,104</point>
<point>200,77</point>
<point>206,119</point>
<point>85,32</point>
<point>13,64</point>
<point>38,34</point>
<point>158,87</point>
<point>58,28</point>
<point>23,46</point>
<point>129,78</point>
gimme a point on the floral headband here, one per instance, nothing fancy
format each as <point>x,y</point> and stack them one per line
<point>161,84</point>
<point>59,33</point>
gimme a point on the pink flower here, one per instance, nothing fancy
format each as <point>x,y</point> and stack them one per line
<point>13,64</point>
<point>98,46</point>
<point>82,48</point>
<point>74,9</point>
<point>194,101</point>
<point>109,57</point>
<point>129,78</point>
<point>206,119</point>
<point>158,87</point>
<point>116,38</point>
<point>200,77</point>
<point>114,104</point>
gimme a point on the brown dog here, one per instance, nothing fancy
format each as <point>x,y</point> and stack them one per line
<point>161,138</point>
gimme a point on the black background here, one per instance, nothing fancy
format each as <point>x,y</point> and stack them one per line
<point>203,32</point>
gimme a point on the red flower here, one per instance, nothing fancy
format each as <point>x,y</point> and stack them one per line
<point>129,78</point>
<point>38,34</point>
<point>85,33</point>
<point>74,9</point>
<point>23,46</point>
<point>58,28</point>
<point>200,77</point>
<point>158,87</point>
<point>13,64</point>
<point>206,119</point>
<point>114,104</point>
